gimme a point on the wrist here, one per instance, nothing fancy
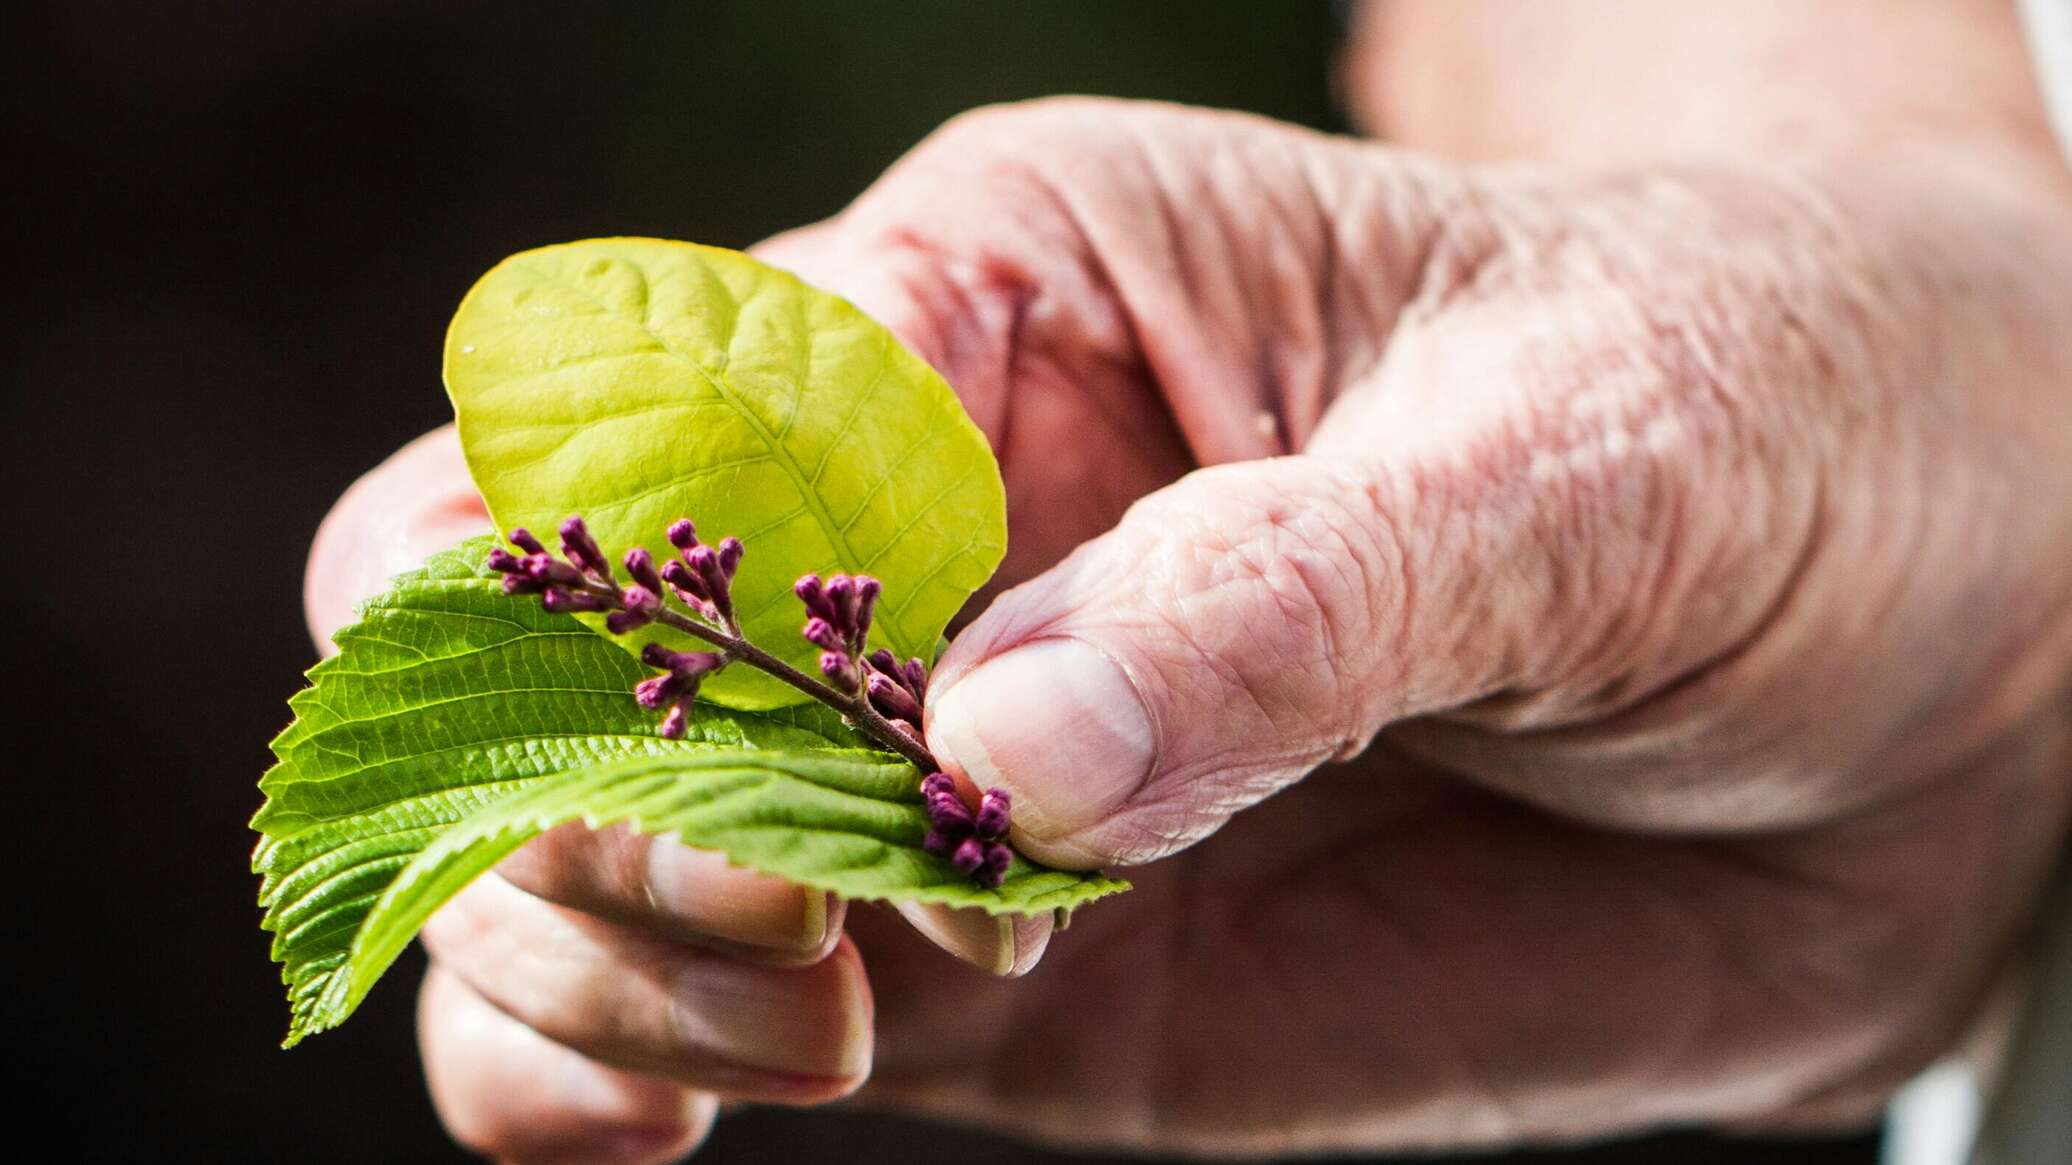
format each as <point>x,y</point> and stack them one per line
<point>1595,83</point>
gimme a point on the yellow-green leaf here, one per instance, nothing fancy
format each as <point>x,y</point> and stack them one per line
<point>636,381</point>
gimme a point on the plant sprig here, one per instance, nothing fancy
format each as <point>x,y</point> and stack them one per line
<point>875,693</point>
<point>467,711</point>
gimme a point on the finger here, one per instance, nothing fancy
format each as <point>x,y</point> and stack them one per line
<point>504,1090</point>
<point>418,502</point>
<point>1252,621</point>
<point>644,1004</point>
<point>677,893</point>
<point>1236,630</point>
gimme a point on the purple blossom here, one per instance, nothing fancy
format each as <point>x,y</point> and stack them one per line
<point>821,633</point>
<point>838,621</point>
<point>641,608</point>
<point>809,591</point>
<point>872,688</point>
<point>641,566</point>
<point>582,550</point>
<point>677,686</point>
<point>562,601</point>
<point>581,580</point>
<point>703,576</point>
<point>974,843</point>
<point>676,723</point>
<point>835,666</point>
<point>891,697</point>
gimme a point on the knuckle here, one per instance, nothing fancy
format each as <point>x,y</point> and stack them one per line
<point>587,869</point>
<point>1282,580</point>
<point>1014,127</point>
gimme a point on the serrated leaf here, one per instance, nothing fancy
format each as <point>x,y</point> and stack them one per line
<point>635,381</point>
<point>847,822</point>
<point>448,699</point>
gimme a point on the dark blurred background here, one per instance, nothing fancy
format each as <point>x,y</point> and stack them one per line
<point>238,230</point>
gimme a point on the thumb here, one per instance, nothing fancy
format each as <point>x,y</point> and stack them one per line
<point>1237,629</point>
<point>414,504</point>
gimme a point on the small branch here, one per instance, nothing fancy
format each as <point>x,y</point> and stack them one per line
<point>855,708</point>
<point>864,686</point>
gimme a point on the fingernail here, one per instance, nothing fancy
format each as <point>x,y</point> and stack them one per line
<point>1058,725</point>
<point>821,917</point>
<point>699,896</point>
<point>1003,944</point>
<point>735,1012</point>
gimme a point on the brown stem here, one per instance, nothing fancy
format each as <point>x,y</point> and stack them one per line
<point>856,707</point>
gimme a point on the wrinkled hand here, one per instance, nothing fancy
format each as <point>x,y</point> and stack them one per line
<point>1656,582</point>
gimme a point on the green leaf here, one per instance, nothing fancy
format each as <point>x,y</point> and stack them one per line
<point>636,381</point>
<point>449,699</point>
<point>847,822</point>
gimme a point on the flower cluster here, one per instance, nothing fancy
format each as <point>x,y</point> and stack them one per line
<point>581,579</point>
<point>872,689</point>
<point>563,584</point>
<point>975,843</point>
<point>838,621</point>
<point>703,576</point>
<point>677,686</point>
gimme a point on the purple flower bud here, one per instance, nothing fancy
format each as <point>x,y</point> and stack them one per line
<point>704,562</point>
<point>730,552</point>
<point>675,723</point>
<point>686,664</point>
<point>820,633</point>
<point>835,666</point>
<point>992,819</point>
<point>642,605</point>
<point>683,534</point>
<point>641,601</point>
<point>890,697</point>
<point>810,592</point>
<point>916,675</point>
<point>935,783</point>
<point>504,562</point>
<point>549,570</point>
<point>940,844</point>
<point>969,856</point>
<point>522,584</point>
<point>841,603</point>
<point>698,663</point>
<point>946,812</point>
<point>656,691</point>
<point>561,601</point>
<point>581,549</point>
<point>682,580</point>
<point>522,538</point>
<point>994,869</point>
<point>640,565</point>
<point>650,692</point>
<point>867,589</point>
<point>885,662</point>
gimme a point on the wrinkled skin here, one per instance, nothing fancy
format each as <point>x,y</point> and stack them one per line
<point>1667,567</point>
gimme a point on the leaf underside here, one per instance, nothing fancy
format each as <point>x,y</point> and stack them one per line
<point>636,381</point>
<point>457,722</point>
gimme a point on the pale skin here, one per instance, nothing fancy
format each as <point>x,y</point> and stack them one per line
<point>1615,667</point>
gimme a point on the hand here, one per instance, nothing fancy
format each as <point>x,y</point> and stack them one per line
<point>1664,566</point>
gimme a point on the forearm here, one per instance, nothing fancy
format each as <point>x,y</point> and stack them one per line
<point>1605,81</point>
